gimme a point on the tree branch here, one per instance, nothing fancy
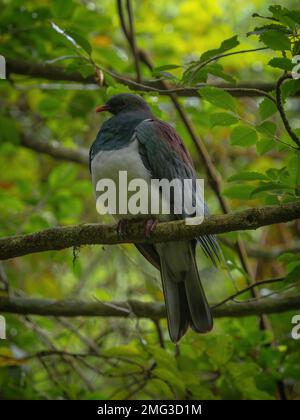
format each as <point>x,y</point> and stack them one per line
<point>153,310</point>
<point>285,121</point>
<point>58,73</point>
<point>56,150</point>
<point>58,238</point>
<point>132,42</point>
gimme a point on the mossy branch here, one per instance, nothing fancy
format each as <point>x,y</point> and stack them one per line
<point>58,238</point>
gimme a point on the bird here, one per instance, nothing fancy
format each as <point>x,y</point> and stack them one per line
<point>134,140</point>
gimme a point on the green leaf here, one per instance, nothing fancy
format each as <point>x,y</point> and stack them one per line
<point>159,387</point>
<point>80,40</point>
<point>264,145</point>
<point>229,43</point>
<point>222,119</point>
<point>213,346</point>
<point>110,81</point>
<point>283,15</point>
<point>73,38</point>
<point>243,136</point>
<point>240,370</point>
<point>274,173</point>
<point>290,88</point>
<point>166,67</point>
<point>276,40</point>
<point>195,74</point>
<point>166,75</point>
<point>201,392</point>
<point>267,108</point>
<point>238,191</point>
<point>86,70</point>
<point>267,128</point>
<point>270,186</point>
<point>265,28</point>
<point>168,376</point>
<point>281,63</point>
<point>217,70</point>
<point>289,257</point>
<point>218,97</point>
<point>294,15</point>
<point>247,176</point>
<point>162,357</point>
<point>226,45</point>
<point>294,274</point>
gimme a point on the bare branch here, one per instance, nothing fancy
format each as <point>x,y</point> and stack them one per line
<point>153,310</point>
<point>56,150</point>
<point>285,121</point>
<point>247,289</point>
<point>133,41</point>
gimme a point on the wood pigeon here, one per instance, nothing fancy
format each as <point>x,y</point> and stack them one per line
<point>134,140</point>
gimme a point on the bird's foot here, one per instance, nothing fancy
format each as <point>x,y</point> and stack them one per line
<point>150,225</point>
<point>121,227</point>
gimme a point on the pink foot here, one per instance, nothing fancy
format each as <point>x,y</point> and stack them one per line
<point>121,226</point>
<point>150,226</point>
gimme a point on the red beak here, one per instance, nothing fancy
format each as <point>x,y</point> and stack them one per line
<point>103,108</point>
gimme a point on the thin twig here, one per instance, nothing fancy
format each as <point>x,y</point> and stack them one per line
<point>247,289</point>
<point>217,57</point>
<point>280,107</point>
<point>159,333</point>
<point>132,40</point>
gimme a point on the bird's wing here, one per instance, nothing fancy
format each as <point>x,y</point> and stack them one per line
<point>163,151</point>
<point>165,156</point>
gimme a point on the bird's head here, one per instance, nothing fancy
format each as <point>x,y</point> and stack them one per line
<point>124,102</point>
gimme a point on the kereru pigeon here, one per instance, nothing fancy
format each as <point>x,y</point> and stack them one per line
<point>133,140</point>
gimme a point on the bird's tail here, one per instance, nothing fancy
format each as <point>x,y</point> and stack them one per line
<point>185,300</point>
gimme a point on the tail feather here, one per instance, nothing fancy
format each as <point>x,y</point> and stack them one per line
<point>186,303</point>
<point>200,314</point>
<point>176,304</point>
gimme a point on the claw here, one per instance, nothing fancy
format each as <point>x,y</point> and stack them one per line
<point>150,226</point>
<point>121,227</point>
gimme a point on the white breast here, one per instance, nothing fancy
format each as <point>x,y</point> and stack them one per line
<point>108,164</point>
